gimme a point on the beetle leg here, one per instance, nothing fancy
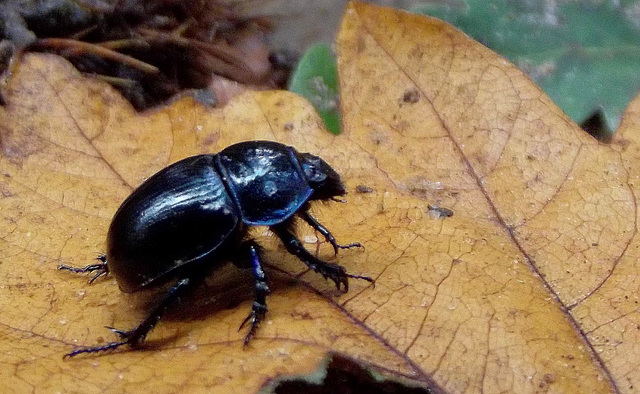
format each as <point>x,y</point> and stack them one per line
<point>101,268</point>
<point>261,288</point>
<point>313,222</point>
<point>332,271</point>
<point>136,336</point>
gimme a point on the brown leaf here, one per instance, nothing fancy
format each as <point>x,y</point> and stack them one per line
<point>533,283</point>
<point>72,150</point>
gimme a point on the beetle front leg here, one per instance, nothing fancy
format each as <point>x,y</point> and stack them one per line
<point>332,271</point>
<point>261,288</point>
<point>136,336</point>
<point>102,268</point>
<point>313,222</point>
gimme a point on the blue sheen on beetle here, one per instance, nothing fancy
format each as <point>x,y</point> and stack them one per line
<point>266,181</point>
<point>192,216</point>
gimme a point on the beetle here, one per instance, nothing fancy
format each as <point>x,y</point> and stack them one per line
<point>190,217</point>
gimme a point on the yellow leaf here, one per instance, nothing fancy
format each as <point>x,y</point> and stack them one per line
<point>72,150</point>
<point>531,285</point>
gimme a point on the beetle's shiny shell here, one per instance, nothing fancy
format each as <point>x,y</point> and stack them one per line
<point>178,216</point>
<point>186,213</point>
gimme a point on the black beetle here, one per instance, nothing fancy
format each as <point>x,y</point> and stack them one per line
<point>191,216</point>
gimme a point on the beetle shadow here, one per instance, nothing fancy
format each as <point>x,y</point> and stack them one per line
<point>225,288</point>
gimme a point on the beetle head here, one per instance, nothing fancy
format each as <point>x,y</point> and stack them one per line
<point>323,179</point>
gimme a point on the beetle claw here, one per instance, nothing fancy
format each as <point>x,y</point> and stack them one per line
<point>128,338</point>
<point>120,333</point>
<point>256,316</point>
<point>334,272</point>
<point>341,280</point>
<point>95,349</point>
<point>341,277</point>
<point>370,280</point>
<point>100,269</point>
<point>337,246</point>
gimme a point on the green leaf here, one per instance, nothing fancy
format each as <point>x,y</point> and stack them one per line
<point>316,78</point>
<point>585,55</point>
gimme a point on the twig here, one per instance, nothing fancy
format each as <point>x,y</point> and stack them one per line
<point>125,43</point>
<point>228,61</point>
<point>115,81</point>
<point>63,43</point>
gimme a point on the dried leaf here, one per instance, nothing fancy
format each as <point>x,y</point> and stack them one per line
<point>72,150</point>
<point>531,284</point>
